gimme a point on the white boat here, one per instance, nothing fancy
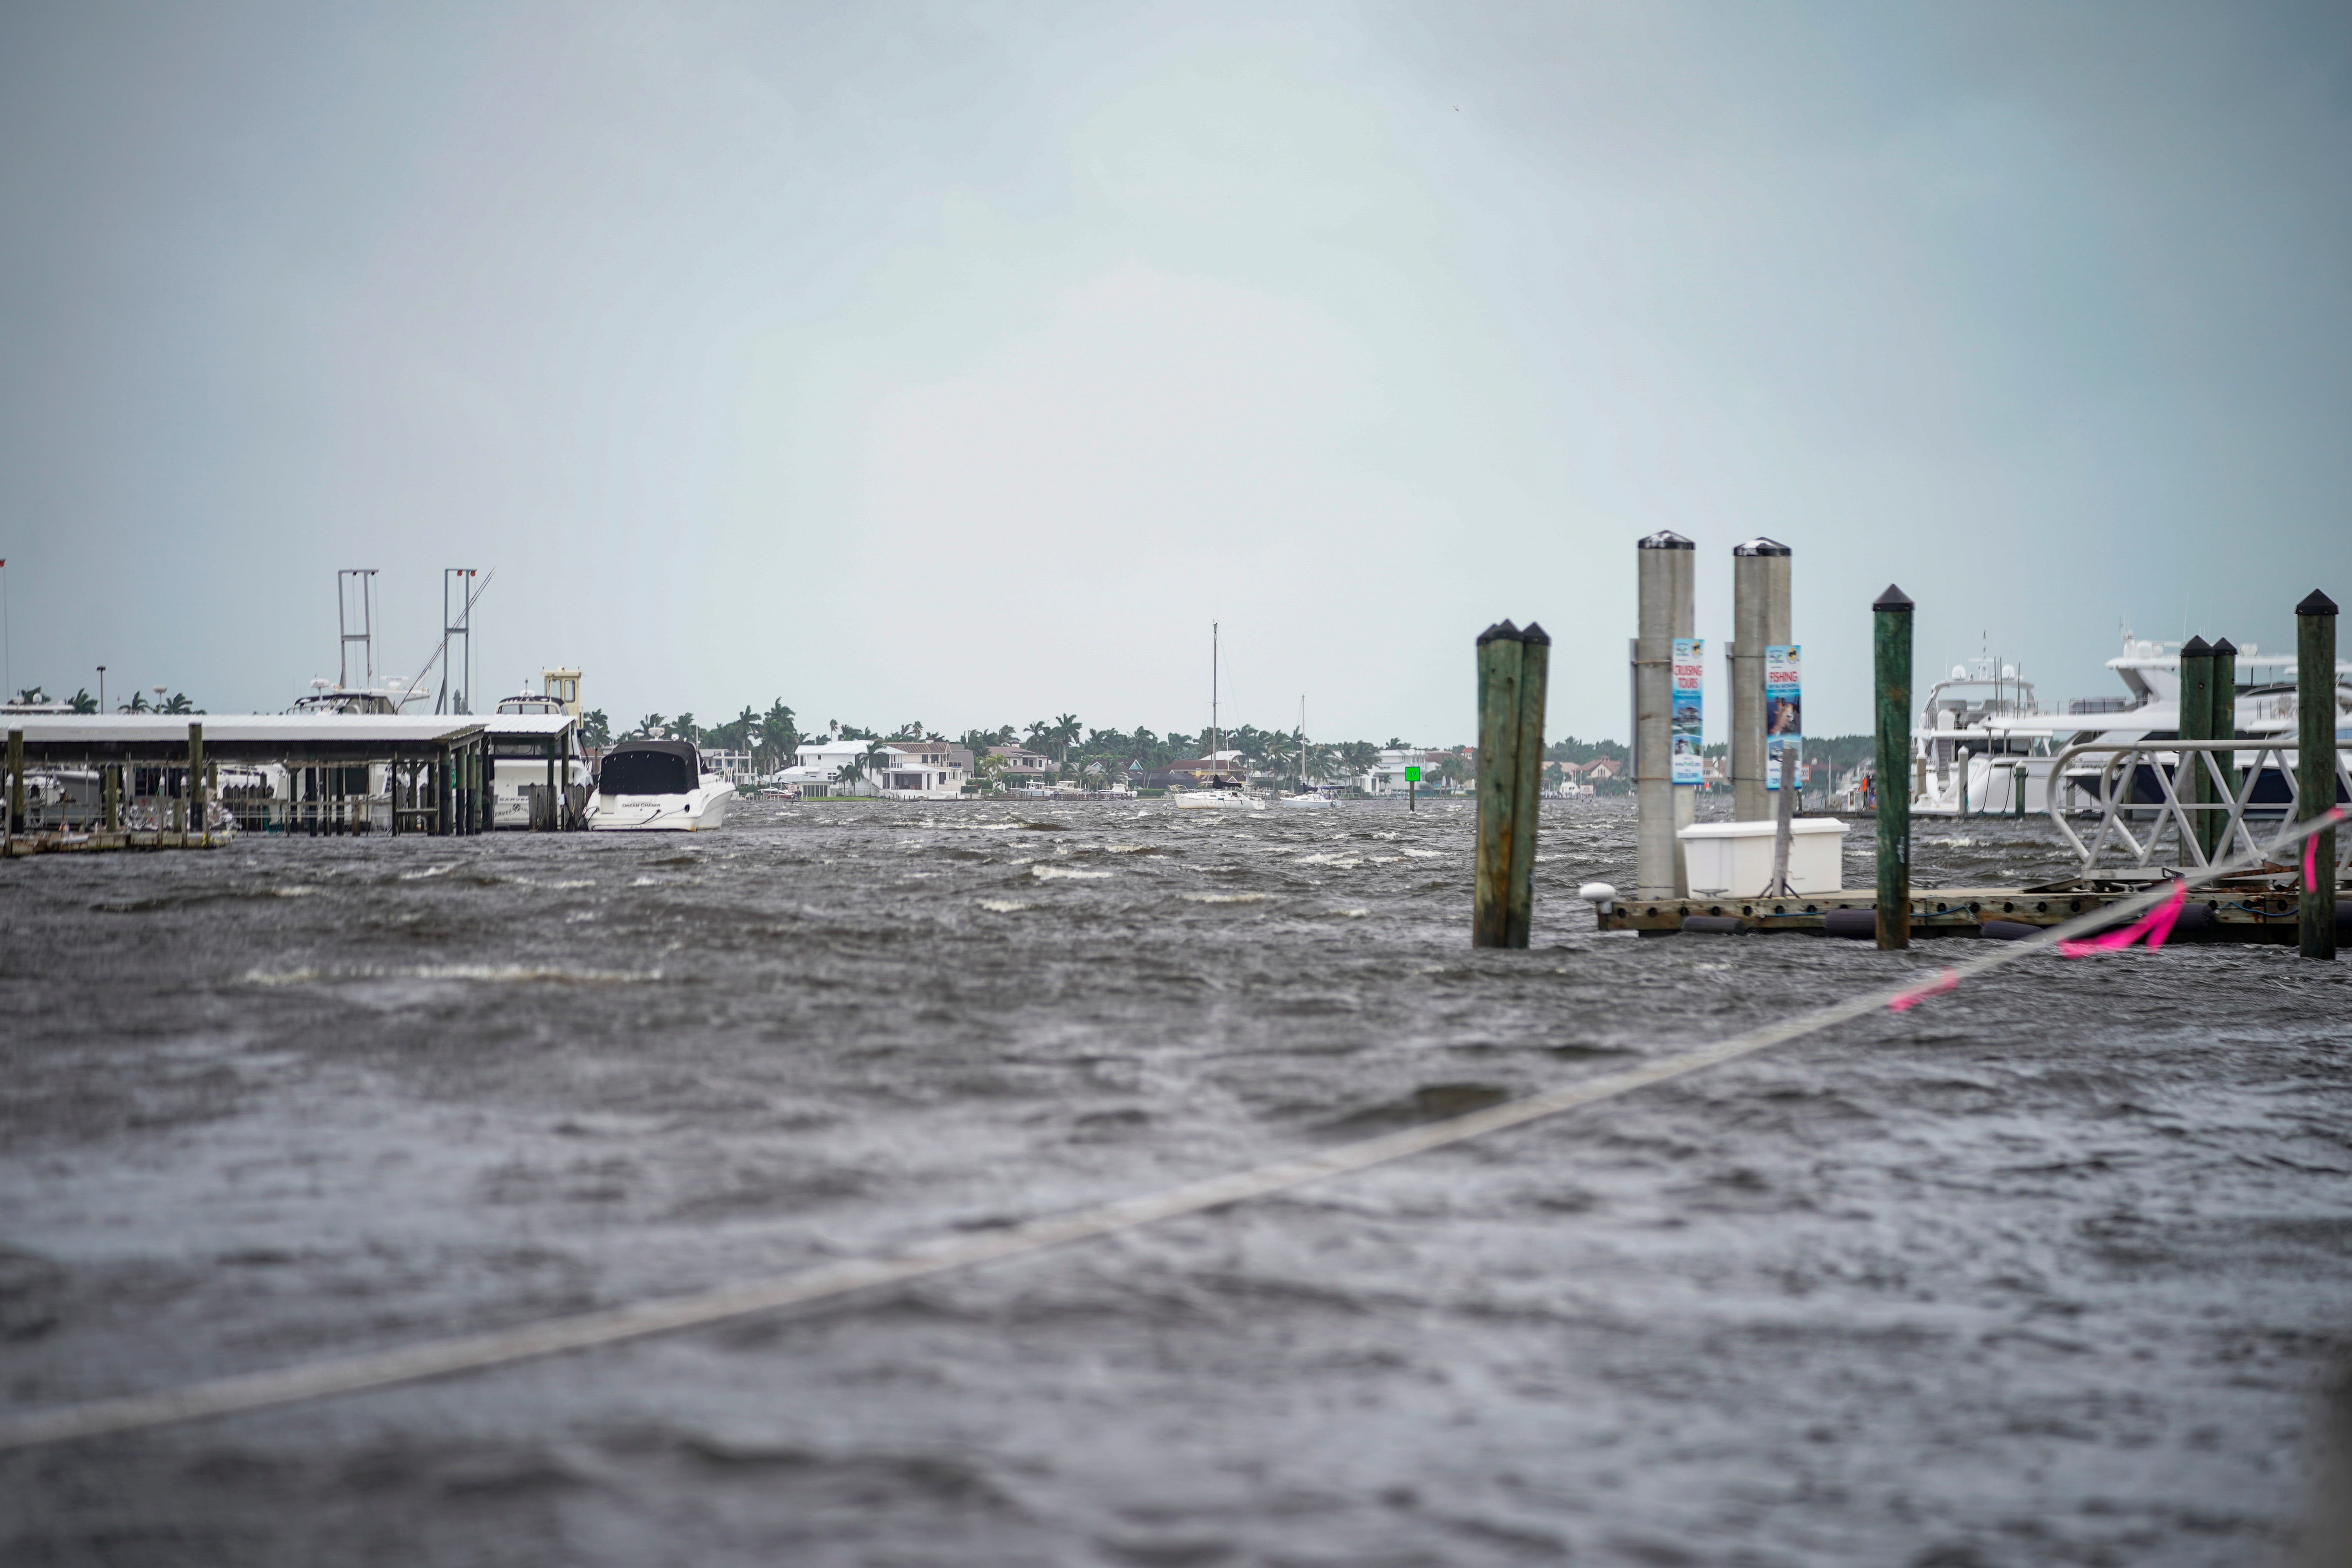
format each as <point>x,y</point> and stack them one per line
<point>1306,799</point>
<point>1985,747</point>
<point>1223,792</point>
<point>519,767</point>
<point>1219,799</point>
<point>659,786</point>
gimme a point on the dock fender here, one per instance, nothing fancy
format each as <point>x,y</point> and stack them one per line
<point>1859,925</point>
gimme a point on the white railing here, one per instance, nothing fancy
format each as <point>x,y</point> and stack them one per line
<point>2230,771</point>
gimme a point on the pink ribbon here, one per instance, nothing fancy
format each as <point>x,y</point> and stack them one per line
<point>2311,848</point>
<point>2156,925</point>
<point>1909,999</point>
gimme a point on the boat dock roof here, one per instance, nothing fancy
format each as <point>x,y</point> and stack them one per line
<point>254,737</point>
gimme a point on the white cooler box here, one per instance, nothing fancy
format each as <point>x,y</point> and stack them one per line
<point>1734,859</point>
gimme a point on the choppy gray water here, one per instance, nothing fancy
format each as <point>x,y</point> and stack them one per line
<point>2051,1270</point>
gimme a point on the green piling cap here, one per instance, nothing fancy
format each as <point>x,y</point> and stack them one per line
<point>2318,604</point>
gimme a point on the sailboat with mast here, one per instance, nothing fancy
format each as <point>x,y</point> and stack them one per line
<point>1306,797</point>
<point>1223,790</point>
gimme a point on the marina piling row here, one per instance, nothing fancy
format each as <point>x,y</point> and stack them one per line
<point>1514,667</point>
<point>2314,710</point>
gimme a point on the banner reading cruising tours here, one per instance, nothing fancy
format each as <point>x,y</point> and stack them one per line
<point>1784,725</point>
<point>1690,676</point>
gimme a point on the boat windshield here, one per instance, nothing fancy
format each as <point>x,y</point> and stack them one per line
<point>645,772</point>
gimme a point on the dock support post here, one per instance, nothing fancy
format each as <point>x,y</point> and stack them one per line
<point>15,783</point>
<point>563,781</point>
<point>1664,566</point>
<point>2315,768</point>
<point>195,790</point>
<point>2196,724</point>
<point>442,821</point>
<point>2224,710</point>
<point>1891,641</point>
<point>109,797</point>
<point>1759,618</point>
<point>1512,670</point>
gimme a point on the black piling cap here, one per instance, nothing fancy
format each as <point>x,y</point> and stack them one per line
<point>2318,604</point>
<point>1760,545</point>
<point>2196,648</point>
<point>1894,598</point>
<point>1665,538</point>
<point>2225,648</point>
<point>1536,635</point>
<point>1501,631</point>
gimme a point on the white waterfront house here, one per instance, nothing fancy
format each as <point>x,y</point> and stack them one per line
<point>897,770</point>
<point>1386,773</point>
<point>735,767</point>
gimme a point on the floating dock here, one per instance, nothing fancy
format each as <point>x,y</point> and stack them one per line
<point>2259,912</point>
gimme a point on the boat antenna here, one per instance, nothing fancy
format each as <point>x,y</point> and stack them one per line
<point>465,616</point>
<point>1214,732</point>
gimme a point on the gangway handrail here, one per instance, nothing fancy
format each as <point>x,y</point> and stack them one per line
<point>2231,796</point>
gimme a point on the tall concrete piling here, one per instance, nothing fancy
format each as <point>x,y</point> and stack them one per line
<point>2188,779</point>
<point>1760,618</point>
<point>1891,646</point>
<point>1513,668</point>
<point>2314,769</point>
<point>1665,577</point>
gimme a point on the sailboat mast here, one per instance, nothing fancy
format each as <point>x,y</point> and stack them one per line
<point>1213,734</point>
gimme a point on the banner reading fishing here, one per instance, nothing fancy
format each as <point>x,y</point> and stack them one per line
<point>1784,723</point>
<point>1690,681</point>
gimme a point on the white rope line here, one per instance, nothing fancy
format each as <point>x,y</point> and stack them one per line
<point>470,1352</point>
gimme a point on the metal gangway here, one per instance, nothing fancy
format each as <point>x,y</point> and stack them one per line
<point>2141,819</point>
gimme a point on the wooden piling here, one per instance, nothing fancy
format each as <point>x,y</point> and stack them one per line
<point>2223,707</point>
<point>2196,724</point>
<point>1513,666</point>
<point>2315,768</point>
<point>109,797</point>
<point>195,790</point>
<point>1891,644</point>
<point>15,783</point>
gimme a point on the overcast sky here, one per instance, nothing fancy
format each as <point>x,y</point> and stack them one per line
<point>964,363</point>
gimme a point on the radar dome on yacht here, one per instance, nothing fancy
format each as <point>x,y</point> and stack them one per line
<point>2009,672</point>
<point>1959,672</point>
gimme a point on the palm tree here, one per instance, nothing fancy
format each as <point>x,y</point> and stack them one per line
<point>32,694</point>
<point>138,704</point>
<point>595,728</point>
<point>83,702</point>
<point>652,727</point>
<point>179,704</point>
<point>684,728</point>
<point>778,737</point>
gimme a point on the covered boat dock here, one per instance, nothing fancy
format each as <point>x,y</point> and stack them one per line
<point>154,781</point>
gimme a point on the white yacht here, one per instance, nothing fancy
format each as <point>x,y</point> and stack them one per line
<point>1982,738</point>
<point>659,786</point>
<point>521,731</point>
